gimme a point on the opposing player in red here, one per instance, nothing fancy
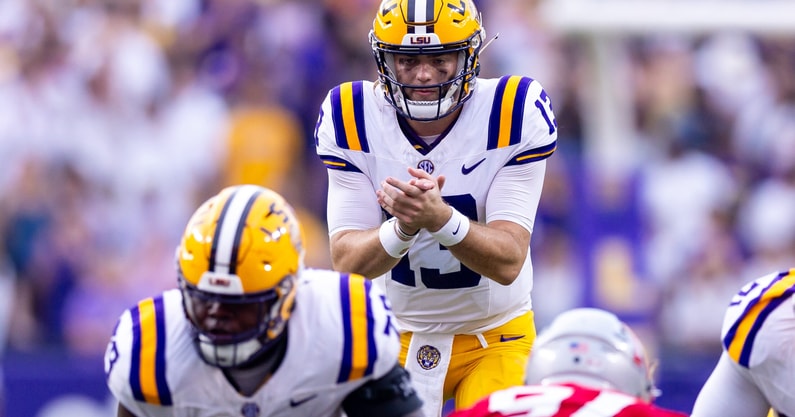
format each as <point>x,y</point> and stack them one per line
<point>586,363</point>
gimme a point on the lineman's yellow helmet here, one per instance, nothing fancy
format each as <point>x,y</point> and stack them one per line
<point>238,264</point>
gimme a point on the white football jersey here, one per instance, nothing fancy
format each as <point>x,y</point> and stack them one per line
<point>758,333</point>
<point>505,127</point>
<point>340,335</point>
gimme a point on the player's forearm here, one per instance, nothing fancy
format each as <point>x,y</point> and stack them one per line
<point>360,251</point>
<point>497,251</point>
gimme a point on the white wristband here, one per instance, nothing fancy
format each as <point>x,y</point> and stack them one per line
<point>392,243</point>
<point>454,231</point>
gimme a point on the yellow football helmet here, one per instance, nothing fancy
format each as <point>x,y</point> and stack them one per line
<point>427,27</point>
<point>238,264</point>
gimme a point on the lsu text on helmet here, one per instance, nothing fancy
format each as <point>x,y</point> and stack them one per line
<point>238,263</point>
<point>427,27</point>
<point>594,348</point>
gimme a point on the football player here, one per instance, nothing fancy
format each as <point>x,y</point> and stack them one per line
<point>250,332</point>
<point>588,363</point>
<point>435,176</point>
<point>756,371</point>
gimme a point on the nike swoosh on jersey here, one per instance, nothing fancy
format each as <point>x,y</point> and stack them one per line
<point>466,170</point>
<point>296,403</point>
<point>508,339</point>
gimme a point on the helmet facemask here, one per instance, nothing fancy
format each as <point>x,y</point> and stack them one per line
<point>234,330</point>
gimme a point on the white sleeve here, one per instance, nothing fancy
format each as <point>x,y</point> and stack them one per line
<point>352,205</point>
<point>117,371</point>
<point>515,194</point>
<point>728,392</point>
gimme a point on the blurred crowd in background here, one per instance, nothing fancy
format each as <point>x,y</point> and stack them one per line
<point>117,117</point>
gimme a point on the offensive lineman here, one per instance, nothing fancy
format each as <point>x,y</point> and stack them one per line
<point>252,333</point>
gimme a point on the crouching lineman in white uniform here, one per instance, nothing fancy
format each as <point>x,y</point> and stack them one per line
<point>586,363</point>
<point>252,333</point>
<point>756,371</point>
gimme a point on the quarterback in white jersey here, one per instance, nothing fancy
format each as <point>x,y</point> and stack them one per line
<point>251,333</point>
<point>430,289</point>
<point>434,181</point>
<point>756,370</point>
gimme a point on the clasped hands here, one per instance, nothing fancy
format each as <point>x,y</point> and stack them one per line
<point>416,203</point>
